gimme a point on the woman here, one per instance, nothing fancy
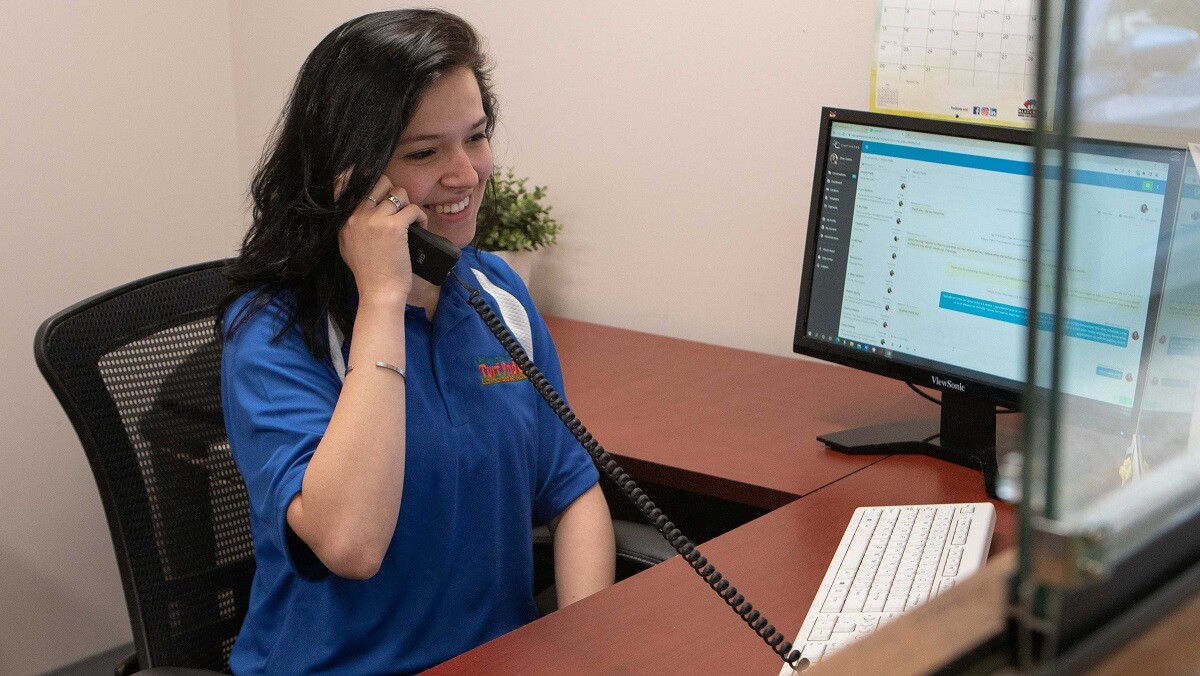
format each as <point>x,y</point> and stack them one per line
<point>393,485</point>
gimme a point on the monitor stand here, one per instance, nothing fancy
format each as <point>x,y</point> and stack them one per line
<point>965,435</point>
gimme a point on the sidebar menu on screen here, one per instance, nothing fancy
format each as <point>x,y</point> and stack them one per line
<point>836,220</point>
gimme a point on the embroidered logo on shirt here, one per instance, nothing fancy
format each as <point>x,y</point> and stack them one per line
<point>496,370</point>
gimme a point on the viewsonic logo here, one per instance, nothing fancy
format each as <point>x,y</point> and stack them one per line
<point>948,384</point>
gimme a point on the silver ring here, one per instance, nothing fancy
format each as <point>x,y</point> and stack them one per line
<point>396,200</point>
<point>373,200</point>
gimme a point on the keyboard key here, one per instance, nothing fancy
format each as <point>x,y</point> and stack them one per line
<point>813,652</point>
<point>961,530</point>
<point>953,559</point>
<point>833,603</point>
<point>875,600</point>
<point>856,600</point>
<point>858,545</point>
<point>915,599</point>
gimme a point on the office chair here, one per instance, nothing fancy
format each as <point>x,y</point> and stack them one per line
<point>137,370</point>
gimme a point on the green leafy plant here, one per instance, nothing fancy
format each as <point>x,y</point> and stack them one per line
<point>513,217</point>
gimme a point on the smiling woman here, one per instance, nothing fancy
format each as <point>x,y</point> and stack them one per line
<point>392,507</point>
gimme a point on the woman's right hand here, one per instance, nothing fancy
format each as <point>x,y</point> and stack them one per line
<point>374,243</point>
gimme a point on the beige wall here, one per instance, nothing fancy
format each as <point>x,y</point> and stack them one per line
<point>117,159</point>
<point>676,138</point>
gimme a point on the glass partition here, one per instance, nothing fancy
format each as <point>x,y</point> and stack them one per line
<point>1111,440</point>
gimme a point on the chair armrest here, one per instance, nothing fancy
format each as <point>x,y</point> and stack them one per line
<point>542,536</point>
<point>177,671</point>
<point>640,545</point>
<point>127,666</point>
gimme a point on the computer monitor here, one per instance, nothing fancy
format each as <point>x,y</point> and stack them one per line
<point>917,264</point>
<point>1167,426</point>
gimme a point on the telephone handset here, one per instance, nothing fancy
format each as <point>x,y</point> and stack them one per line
<point>437,258</point>
<point>433,256</point>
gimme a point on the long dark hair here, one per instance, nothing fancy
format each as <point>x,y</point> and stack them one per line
<point>352,99</point>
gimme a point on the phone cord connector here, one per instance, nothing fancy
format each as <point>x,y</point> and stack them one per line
<point>608,465</point>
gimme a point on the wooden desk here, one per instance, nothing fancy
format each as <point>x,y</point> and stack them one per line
<point>742,426</point>
<point>728,423</point>
<point>735,425</point>
<point>666,620</point>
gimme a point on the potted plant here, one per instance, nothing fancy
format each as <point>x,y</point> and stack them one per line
<point>513,221</point>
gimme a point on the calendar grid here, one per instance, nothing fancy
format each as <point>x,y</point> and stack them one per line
<point>956,58</point>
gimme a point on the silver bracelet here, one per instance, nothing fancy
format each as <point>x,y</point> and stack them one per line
<point>383,365</point>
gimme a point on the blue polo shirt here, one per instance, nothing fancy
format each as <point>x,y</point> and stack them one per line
<point>486,459</point>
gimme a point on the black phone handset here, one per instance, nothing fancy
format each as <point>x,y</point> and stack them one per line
<point>437,259</point>
<point>433,256</point>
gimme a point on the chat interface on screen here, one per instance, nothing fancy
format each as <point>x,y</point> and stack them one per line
<point>1173,373</point>
<point>923,256</point>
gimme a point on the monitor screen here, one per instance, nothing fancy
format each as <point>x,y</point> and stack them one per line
<point>1167,427</point>
<point>917,260</point>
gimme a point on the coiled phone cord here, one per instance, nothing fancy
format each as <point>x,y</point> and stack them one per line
<point>605,462</point>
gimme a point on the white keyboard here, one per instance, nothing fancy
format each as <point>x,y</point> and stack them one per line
<point>891,560</point>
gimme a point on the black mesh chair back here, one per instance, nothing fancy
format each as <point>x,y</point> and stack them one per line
<point>137,370</point>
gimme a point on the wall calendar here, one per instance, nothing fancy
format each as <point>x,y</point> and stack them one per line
<point>968,60</point>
